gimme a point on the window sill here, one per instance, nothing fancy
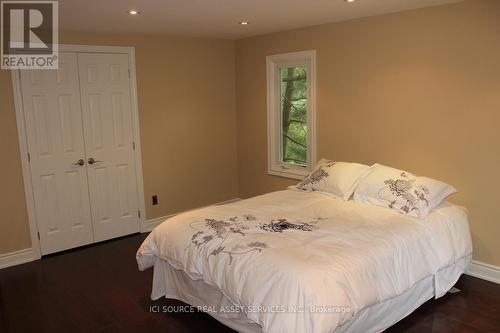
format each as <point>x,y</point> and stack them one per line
<point>290,172</point>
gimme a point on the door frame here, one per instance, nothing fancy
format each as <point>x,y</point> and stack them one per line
<point>23,142</point>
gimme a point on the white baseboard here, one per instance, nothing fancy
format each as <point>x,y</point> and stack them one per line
<point>484,271</point>
<point>149,225</point>
<point>16,258</point>
<point>476,269</point>
<point>27,255</point>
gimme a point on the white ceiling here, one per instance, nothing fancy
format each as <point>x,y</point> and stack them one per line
<point>219,18</point>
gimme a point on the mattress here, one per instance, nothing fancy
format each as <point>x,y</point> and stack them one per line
<point>309,262</point>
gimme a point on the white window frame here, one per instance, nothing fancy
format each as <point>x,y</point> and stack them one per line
<point>274,63</point>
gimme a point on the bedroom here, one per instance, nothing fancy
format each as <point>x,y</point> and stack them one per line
<point>412,85</point>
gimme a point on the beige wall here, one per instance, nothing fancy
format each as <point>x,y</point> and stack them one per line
<point>417,90</point>
<point>186,95</point>
<point>14,229</point>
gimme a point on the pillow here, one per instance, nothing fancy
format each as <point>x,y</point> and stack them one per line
<point>337,178</point>
<point>401,190</point>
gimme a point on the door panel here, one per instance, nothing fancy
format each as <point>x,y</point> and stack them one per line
<point>107,118</point>
<point>54,130</point>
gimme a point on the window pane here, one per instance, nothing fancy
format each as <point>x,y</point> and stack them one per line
<point>293,104</point>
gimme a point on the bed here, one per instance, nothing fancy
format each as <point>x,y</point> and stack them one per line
<point>293,261</point>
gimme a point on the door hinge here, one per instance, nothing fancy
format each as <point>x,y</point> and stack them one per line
<point>38,234</point>
<point>129,73</point>
<point>29,157</point>
<point>133,145</point>
<point>139,213</point>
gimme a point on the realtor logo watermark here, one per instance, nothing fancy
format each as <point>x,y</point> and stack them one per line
<point>29,34</point>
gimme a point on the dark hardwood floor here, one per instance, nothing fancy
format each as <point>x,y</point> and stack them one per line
<point>99,289</point>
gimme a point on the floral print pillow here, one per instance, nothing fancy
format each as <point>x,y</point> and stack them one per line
<point>313,181</point>
<point>335,178</point>
<point>402,191</point>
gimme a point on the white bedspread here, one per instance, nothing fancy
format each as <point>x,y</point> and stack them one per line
<point>286,255</point>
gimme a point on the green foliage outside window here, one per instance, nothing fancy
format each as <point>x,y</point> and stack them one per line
<point>293,82</point>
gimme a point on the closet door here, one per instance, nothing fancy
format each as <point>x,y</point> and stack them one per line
<point>54,131</point>
<point>107,119</point>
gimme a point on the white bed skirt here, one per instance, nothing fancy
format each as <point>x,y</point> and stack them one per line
<point>172,283</point>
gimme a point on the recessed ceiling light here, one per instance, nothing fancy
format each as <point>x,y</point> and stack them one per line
<point>133,12</point>
<point>349,0</point>
<point>244,23</point>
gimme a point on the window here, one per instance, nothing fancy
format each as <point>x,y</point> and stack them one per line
<point>291,113</point>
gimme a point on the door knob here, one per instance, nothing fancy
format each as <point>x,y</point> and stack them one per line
<point>80,162</point>
<point>92,161</point>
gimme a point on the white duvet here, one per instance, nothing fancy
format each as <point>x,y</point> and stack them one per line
<point>308,262</point>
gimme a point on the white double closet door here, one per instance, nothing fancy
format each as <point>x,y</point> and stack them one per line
<point>80,139</point>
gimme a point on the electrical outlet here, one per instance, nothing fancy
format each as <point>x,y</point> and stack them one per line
<point>155,200</point>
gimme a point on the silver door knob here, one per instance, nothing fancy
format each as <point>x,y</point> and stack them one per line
<point>92,161</point>
<point>80,162</point>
